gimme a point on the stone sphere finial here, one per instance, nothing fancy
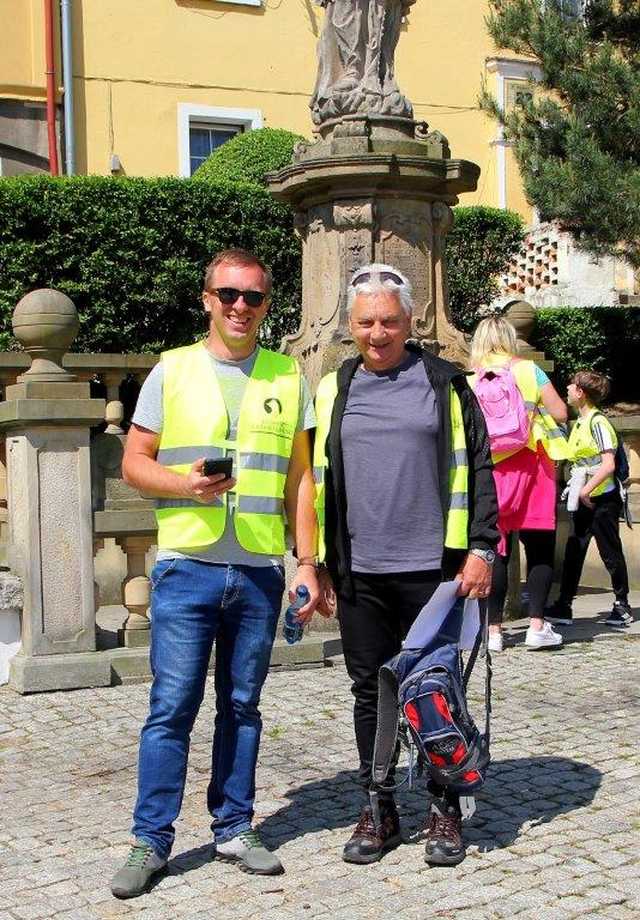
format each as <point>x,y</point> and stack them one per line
<point>522,317</point>
<point>45,322</point>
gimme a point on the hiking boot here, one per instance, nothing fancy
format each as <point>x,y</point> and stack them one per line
<point>559,612</point>
<point>546,637</point>
<point>248,851</point>
<point>444,845</point>
<point>620,616</point>
<point>369,843</point>
<point>135,877</point>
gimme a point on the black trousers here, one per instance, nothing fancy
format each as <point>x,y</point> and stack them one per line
<point>603,523</point>
<point>539,546</point>
<point>373,624</point>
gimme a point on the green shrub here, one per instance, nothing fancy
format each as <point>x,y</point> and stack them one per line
<point>479,247</point>
<point>605,339</point>
<point>248,157</point>
<point>131,254</point>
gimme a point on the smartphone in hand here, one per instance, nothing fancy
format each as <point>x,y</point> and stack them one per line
<point>219,465</point>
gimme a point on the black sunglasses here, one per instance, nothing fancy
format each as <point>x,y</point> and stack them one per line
<point>363,277</point>
<point>230,295</point>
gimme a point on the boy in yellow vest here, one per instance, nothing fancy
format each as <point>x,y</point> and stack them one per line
<point>219,573</point>
<point>592,447</point>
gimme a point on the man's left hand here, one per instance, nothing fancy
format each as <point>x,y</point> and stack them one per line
<point>306,575</point>
<point>474,577</point>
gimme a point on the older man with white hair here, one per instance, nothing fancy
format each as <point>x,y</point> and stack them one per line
<point>405,499</point>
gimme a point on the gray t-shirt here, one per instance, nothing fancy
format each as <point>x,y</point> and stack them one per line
<point>232,377</point>
<point>389,443</point>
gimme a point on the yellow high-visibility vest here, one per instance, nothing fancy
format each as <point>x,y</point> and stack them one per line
<point>196,425</point>
<point>584,450</point>
<point>543,428</point>
<point>457,520</point>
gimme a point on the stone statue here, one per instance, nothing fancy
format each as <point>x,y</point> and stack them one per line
<point>355,60</point>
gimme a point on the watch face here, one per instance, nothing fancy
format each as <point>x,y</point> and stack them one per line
<point>487,554</point>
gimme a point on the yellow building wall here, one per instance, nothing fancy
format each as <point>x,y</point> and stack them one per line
<point>22,53</point>
<point>135,63</point>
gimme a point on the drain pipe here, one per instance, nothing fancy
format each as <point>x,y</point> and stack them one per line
<point>50,72</point>
<point>67,79</point>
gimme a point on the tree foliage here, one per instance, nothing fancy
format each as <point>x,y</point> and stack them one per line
<point>577,141</point>
<point>605,339</point>
<point>479,247</point>
<point>248,157</point>
<point>131,254</point>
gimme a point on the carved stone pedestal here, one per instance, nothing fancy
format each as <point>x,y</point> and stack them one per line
<point>372,191</point>
<point>46,420</point>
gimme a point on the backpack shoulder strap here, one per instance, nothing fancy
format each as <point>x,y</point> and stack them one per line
<point>481,642</point>
<point>387,729</point>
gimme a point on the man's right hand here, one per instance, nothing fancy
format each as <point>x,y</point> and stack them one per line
<point>205,489</point>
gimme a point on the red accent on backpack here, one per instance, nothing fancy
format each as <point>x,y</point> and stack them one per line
<point>413,715</point>
<point>441,705</point>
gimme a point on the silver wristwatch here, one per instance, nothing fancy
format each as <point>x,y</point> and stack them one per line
<point>487,555</point>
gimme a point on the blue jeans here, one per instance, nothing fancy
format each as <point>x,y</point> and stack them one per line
<point>193,604</point>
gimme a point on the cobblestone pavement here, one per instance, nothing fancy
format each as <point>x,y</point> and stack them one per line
<point>555,836</point>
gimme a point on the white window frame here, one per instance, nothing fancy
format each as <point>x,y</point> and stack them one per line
<point>508,69</point>
<point>248,119</point>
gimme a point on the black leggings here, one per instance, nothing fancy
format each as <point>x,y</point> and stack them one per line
<point>539,547</point>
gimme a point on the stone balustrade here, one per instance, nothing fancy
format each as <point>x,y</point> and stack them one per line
<point>111,374</point>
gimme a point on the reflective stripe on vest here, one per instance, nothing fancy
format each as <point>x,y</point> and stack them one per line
<point>457,523</point>
<point>543,428</point>
<point>325,397</point>
<point>584,450</point>
<point>196,425</point>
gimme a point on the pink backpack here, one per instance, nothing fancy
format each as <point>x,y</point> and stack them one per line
<point>503,408</point>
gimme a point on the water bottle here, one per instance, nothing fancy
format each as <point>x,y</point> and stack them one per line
<point>291,629</point>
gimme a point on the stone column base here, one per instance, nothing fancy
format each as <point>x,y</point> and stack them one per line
<point>59,672</point>
<point>134,638</point>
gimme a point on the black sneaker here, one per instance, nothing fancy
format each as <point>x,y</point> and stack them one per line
<point>369,843</point>
<point>559,612</point>
<point>444,845</point>
<point>620,616</point>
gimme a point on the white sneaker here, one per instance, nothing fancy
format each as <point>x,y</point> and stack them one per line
<point>495,642</point>
<point>546,637</point>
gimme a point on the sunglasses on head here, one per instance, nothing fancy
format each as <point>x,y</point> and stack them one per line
<point>227,295</point>
<point>364,277</point>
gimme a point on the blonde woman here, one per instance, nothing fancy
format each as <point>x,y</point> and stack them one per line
<point>525,473</point>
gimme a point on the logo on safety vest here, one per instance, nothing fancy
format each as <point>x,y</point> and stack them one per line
<point>272,405</point>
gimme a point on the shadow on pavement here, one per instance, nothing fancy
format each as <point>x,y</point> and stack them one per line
<point>526,791</point>
<point>190,859</point>
<point>518,791</point>
<point>583,629</point>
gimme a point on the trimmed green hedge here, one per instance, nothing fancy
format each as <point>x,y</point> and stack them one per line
<point>605,339</point>
<point>248,157</point>
<point>131,254</point>
<point>479,247</point>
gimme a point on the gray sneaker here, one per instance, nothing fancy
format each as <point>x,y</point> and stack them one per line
<point>250,853</point>
<point>135,877</point>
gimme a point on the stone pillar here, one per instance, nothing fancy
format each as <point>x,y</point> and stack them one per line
<point>136,591</point>
<point>46,420</point>
<point>372,188</point>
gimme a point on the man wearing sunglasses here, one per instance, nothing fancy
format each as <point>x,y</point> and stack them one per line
<point>219,575</point>
<point>406,499</point>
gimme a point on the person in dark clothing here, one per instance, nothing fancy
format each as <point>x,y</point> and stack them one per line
<point>407,498</point>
